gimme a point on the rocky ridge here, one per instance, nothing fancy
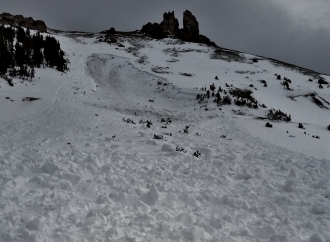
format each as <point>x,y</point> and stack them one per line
<point>19,20</point>
<point>169,27</point>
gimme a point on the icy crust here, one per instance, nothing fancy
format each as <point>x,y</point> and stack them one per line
<point>85,168</point>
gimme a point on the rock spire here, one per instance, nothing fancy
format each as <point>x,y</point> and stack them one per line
<point>169,27</point>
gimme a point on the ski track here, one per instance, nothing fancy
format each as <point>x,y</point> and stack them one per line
<point>65,177</point>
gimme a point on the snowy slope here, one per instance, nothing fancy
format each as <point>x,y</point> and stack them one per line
<point>75,168</point>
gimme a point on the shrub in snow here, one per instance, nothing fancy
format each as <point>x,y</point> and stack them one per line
<point>268,125</point>
<point>149,123</point>
<point>279,77</point>
<point>286,84</point>
<point>329,127</point>
<point>208,93</point>
<point>300,126</point>
<point>226,100</point>
<point>166,121</point>
<point>197,154</point>
<point>158,136</point>
<point>212,87</point>
<point>278,115</point>
<point>180,149</point>
<point>129,121</point>
<point>244,97</point>
<point>322,81</point>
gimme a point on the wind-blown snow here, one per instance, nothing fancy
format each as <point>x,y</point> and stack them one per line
<point>74,168</point>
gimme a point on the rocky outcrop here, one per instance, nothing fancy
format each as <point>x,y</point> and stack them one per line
<point>19,20</point>
<point>169,25</point>
<point>154,30</point>
<point>190,26</point>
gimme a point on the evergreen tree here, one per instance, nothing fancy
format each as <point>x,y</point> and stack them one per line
<point>29,51</point>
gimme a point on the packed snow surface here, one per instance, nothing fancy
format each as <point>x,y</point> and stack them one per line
<point>80,163</point>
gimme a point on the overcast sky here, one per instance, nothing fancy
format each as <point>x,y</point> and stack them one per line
<point>294,31</point>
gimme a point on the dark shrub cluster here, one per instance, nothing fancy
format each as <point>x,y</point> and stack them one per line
<point>322,81</point>
<point>197,153</point>
<point>216,94</point>
<point>244,97</point>
<point>268,125</point>
<point>129,121</point>
<point>278,115</point>
<point>21,52</point>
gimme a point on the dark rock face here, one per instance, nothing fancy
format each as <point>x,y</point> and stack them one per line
<point>190,26</point>
<point>19,20</point>
<point>154,30</point>
<point>170,24</point>
<point>170,27</point>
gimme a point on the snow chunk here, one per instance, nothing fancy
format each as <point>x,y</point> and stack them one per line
<point>186,219</point>
<point>102,199</point>
<point>145,220</point>
<point>49,168</point>
<point>35,224</point>
<point>289,186</point>
<point>167,148</point>
<point>151,197</point>
<point>279,238</point>
<point>114,232</point>
<point>244,173</point>
<point>293,173</point>
<point>248,157</point>
<point>151,142</point>
<point>92,160</point>
<point>91,213</point>
<point>190,234</point>
<point>318,208</point>
<point>245,233</point>
<point>317,238</point>
<point>125,199</point>
<point>18,182</point>
<point>266,232</point>
<point>322,185</point>
<point>141,206</point>
<point>216,223</point>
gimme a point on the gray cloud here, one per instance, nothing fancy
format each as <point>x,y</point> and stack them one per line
<point>293,31</point>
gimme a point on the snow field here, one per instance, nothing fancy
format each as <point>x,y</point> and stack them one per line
<point>76,171</point>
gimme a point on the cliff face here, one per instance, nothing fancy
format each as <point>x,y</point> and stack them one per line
<point>170,24</point>
<point>170,27</point>
<point>19,20</point>
<point>190,26</point>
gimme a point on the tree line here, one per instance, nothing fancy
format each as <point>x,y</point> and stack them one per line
<point>21,52</point>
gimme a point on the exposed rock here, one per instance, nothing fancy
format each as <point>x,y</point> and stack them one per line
<point>169,25</point>
<point>111,31</point>
<point>19,20</point>
<point>154,30</point>
<point>190,26</point>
